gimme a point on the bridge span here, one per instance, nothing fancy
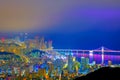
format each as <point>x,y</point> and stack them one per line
<point>101,50</point>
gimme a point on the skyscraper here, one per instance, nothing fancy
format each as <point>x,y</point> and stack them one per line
<point>50,44</point>
<point>42,43</point>
<point>84,63</point>
<point>37,42</point>
<point>70,62</point>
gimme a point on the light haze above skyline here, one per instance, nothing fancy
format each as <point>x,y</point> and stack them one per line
<point>82,24</point>
<point>45,15</point>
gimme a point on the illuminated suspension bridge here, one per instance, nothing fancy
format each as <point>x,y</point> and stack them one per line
<point>102,51</point>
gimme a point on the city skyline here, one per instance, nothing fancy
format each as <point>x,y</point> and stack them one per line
<point>86,41</point>
<point>58,39</point>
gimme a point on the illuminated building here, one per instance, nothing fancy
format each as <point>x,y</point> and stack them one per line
<point>37,42</point>
<point>84,63</point>
<point>21,36</point>
<point>70,62</point>
<point>50,44</point>
<point>17,38</point>
<point>27,43</point>
<point>42,43</point>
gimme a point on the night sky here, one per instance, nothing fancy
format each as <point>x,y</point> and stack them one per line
<point>80,24</point>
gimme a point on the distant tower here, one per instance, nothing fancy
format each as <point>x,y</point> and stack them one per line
<point>17,38</point>
<point>21,37</point>
<point>87,61</point>
<point>25,36</point>
<point>42,43</point>
<point>27,44</point>
<point>50,44</point>
<point>37,42</point>
<point>30,43</point>
<point>46,45</point>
